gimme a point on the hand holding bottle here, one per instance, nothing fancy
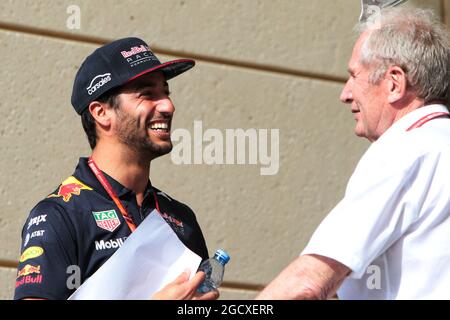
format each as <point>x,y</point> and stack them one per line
<point>214,269</point>
<point>184,289</point>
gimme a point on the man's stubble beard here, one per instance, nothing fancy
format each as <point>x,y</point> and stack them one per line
<point>132,136</point>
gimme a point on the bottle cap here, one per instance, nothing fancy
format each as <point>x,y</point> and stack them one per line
<point>222,256</point>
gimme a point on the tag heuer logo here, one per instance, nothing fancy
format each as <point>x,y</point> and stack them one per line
<point>107,220</point>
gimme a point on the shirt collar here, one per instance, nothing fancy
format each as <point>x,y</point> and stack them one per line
<point>402,125</point>
<point>84,173</point>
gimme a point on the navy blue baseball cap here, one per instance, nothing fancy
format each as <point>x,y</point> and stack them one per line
<point>114,65</point>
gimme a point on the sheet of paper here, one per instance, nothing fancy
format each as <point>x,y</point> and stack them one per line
<point>149,259</point>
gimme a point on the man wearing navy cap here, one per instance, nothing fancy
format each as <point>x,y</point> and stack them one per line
<point>122,95</point>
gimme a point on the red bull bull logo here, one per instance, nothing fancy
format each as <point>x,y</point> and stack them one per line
<point>69,187</point>
<point>28,269</point>
<point>29,274</point>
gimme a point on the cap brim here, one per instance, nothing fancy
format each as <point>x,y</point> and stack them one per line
<point>170,69</point>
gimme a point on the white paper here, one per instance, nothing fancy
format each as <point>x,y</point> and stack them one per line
<point>149,259</point>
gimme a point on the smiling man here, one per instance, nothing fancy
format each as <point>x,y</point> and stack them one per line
<point>122,95</point>
<point>389,237</point>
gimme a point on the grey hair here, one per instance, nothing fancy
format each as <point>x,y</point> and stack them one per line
<point>414,40</point>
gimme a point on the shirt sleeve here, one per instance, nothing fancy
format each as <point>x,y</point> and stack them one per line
<point>382,201</point>
<point>48,250</point>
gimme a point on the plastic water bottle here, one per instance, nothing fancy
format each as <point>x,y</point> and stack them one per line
<point>214,268</point>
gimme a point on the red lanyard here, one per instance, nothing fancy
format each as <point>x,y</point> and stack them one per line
<point>427,118</point>
<point>101,178</point>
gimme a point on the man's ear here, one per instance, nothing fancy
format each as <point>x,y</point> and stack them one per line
<point>397,83</point>
<point>101,113</point>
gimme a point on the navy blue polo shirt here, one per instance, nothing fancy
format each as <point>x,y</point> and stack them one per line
<point>79,226</point>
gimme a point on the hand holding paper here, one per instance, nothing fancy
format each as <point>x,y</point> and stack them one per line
<point>150,259</point>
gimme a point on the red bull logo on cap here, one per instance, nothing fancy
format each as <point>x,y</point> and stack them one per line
<point>135,50</point>
<point>69,187</point>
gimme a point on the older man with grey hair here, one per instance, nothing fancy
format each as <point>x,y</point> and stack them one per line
<point>389,237</point>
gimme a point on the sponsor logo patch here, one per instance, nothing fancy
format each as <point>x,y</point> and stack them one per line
<point>34,234</point>
<point>29,280</point>
<point>37,220</point>
<point>137,55</point>
<point>37,233</point>
<point>172,220</point>
<point>69,187</point>
<point>109,244</point>
<point>98,82</point>
<point>107,220</point>
<point>30,253</point>
<point>29,269</point>
<point>134,50</point>
<point>27,238</point>
<point>176,225</point>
